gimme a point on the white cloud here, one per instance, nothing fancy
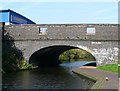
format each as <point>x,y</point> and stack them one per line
<point>60,0</point>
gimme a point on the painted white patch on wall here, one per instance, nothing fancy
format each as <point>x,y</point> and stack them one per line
<point>96,43</point>
<point>83,47</point>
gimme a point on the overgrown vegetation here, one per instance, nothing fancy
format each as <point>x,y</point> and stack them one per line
<point>22,65</point>
<point>12,57</point>
<point>110,67</point>
<point>76,55</point>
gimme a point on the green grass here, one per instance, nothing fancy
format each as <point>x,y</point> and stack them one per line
<point>110,67</point>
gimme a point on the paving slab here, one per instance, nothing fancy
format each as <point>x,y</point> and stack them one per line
<point>99,76</point>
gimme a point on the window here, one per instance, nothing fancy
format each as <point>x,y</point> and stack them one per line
<point>43,31</point>
<point>91,31</point>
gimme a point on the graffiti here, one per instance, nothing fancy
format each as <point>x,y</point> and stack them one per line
<point>116,59</point>
<point>96,43</point>
<point>105,54</point>
<point>89,50</point>
<point>106,51</point>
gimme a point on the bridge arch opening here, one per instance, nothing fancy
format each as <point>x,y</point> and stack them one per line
<point>50,56</point>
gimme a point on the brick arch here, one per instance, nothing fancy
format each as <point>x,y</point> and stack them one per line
<point>105,52</point>
<point>49,56</point>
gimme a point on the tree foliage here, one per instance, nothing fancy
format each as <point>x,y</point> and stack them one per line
<point>76,54</point>
<point>12,57</point>
<point>10,54</point>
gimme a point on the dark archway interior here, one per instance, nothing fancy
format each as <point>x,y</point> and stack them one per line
<point>48,56</point>
<point>90,64</point>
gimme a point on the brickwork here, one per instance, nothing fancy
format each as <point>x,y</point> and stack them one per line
<point>68,31</point>
<point>105,52</point>
<point>103,45</point>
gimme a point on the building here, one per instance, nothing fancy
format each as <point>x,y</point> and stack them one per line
<point>10,17</point>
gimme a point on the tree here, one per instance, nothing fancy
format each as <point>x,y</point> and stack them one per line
<point>10,54</point>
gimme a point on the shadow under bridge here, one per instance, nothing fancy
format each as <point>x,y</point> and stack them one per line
<point>48,56</point>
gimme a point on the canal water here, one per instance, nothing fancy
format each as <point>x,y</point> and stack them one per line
<point>60,77</point>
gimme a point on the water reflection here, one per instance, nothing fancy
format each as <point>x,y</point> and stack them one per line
<point>60,77</point>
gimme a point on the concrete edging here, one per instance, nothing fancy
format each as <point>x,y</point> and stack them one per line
<point>97,81</point>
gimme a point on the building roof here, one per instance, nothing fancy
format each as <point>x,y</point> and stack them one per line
<point>8,10</point>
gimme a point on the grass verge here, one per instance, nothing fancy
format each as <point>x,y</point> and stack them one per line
<point>110,67</point>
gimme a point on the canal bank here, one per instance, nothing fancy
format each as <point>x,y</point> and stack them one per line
<point>98,76</point>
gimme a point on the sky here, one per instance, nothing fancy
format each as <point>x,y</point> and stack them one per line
<point>69,12</point>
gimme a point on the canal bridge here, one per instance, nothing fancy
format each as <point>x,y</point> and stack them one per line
<point>42,44</point>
